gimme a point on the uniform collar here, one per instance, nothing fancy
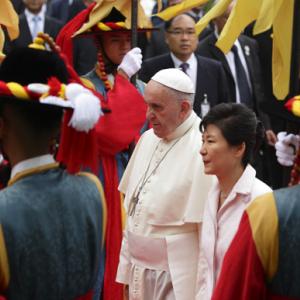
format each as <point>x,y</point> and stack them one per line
<point>31,163</point>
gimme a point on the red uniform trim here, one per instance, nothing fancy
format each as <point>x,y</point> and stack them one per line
<point>111,289</point>
<point>88,296</point>
<point>242,276</point>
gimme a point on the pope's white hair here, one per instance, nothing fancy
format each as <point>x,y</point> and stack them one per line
<point>178,95</point>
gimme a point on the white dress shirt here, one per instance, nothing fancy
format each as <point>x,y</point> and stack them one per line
<point>192,70</point>
<point>230,60</point>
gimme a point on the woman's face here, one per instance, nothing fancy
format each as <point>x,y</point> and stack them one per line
<point>218,156</point>
<point>116,45</point>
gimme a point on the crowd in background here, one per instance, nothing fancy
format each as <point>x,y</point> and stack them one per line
<point>184,83</point>
<point>253,58</point>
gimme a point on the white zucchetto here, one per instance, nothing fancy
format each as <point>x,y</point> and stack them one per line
<point>176,79</point>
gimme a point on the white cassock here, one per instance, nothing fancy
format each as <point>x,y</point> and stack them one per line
<point>160,247</point>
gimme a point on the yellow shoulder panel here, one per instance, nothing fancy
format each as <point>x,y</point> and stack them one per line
<point>263,219</point>
<point>87,83</point>
<point>95,179</point>
<point>4,267</point>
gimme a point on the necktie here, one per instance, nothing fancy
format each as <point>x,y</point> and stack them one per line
<point>241,77</point>
<point>184,67</point>
<point>36,26</point>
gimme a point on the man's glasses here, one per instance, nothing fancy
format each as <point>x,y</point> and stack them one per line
<point>180,32</point>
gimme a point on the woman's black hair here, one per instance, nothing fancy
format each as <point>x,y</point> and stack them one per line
<point>238,125</point>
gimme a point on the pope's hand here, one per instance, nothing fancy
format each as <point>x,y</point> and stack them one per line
<point>131,62</point>
<point>286,147</point>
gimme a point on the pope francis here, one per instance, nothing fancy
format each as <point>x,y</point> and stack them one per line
<point>165,189</point>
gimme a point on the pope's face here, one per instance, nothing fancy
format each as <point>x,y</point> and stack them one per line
<point>164,114</point>
<point>116,45</point>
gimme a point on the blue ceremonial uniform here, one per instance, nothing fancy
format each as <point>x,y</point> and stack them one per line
<point>52,226</point>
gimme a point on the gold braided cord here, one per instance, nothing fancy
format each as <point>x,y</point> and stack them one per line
<point>22,92</point>
<point>18,90</point>
<point>38,43</point>
<point>105,26</point>
<point>103,8</point>
<point>62,92</point>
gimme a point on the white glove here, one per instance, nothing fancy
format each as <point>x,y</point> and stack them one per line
<point>131,62</point>
<point>286,148</point>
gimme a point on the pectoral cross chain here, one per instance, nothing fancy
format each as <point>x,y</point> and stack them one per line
<point>134,201</point>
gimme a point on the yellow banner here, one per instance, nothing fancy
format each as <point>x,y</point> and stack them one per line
<point>276,14</point>
<point>213,13</point>
<point>282,49</point>
<point>180,8</point>
<point>104,7</point>
<point>1,43</point>
<point>268,11</point>
<point>9,19</point>
<point>243,13</point>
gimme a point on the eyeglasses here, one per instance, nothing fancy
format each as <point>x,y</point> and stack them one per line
<point>179,32</point>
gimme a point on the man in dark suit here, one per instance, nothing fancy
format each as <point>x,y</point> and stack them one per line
<point>32,21</point>
<point>65,10</point>
<point>247,50</point>
<point>206,74</point>
<point>157,44</point>
<point>243,74</point>
<point>19,5</point>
